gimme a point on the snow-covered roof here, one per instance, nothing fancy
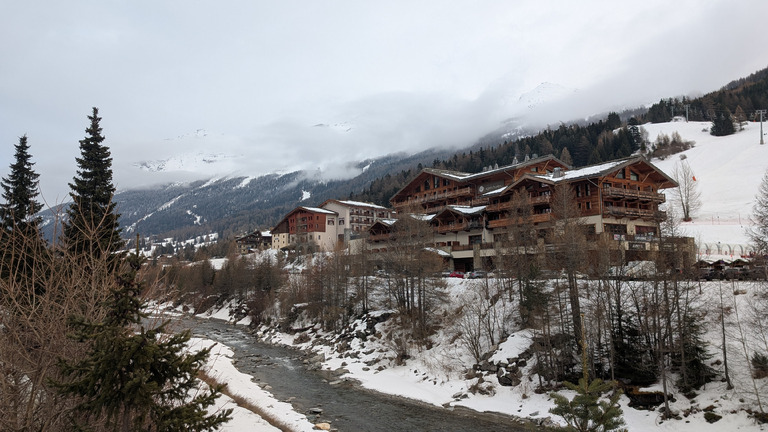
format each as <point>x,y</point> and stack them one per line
<point>362,204</point>
<point>356,204</point>
<point>440,252</point>
<point>388,222</point>
<point>588,171</point>
<point>494,191</point>
<point>423,217</point>
<point>466,209</point>
<point>318,210</point>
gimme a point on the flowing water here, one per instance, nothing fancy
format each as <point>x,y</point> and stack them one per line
<point>346,406</point>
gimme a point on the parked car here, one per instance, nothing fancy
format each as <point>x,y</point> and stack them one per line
<point>476,274</point>
<point>755,273</point>
<point>733,274</point>
<point>445,273</point>
<point>457,274</point>
<point>712,274</point>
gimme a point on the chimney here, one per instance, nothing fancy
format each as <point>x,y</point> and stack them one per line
<point>557,173</point>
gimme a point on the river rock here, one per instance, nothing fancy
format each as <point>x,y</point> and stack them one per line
<point>316,411</point>
<point>323,426</point>
<point>487,366</point>
<point>340,371</point>
<point>509,377</point>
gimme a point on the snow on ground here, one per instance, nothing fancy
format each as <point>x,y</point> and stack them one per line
<point>728,173</point>
<point>220,367</point>
<point>438,375</point>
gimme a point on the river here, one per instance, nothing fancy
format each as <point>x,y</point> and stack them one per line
<point>348,407</point>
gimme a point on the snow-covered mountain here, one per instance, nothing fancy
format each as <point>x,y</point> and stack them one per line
<point>545,92</point>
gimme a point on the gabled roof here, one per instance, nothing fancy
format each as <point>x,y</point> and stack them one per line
<point>462,210</point>
<point>606,168</point>
<point>348,203</point>
<point>463,177</point>
<point>301,208</point>
<point>516,166</point>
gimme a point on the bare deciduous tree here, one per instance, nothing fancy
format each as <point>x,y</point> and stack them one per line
<point>687,195</point>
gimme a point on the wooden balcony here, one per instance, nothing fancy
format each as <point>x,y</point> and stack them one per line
<point>461,247</point>
<point>499,206</point>
<point>452,227</point>
<point>461,226</point>
<point>505,222</point>
<point>634,213</point>
<point>541,199</point>
<point>379,237</point>
<point>463,192</point>
<point>631,194</point>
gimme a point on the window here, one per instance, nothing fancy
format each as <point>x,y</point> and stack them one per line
<point>446,182</point>
<point>426,185</point>
<point>633,176</point>
<point>616,228</point>
<point>578,190</point>
<point>437,182</point>
<point>475,239</point>
<point>587,189</point>
<point>341,221</point>
<point>331,222</point>
<point>589,205</point>
<point>620,174</point>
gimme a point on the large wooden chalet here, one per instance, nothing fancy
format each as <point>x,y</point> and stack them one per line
<point>618,201</point>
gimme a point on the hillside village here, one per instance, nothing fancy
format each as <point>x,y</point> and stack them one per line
<point>463,221</point>
<point>472,215</point>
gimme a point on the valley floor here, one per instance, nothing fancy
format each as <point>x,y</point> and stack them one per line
<point>438,375</point>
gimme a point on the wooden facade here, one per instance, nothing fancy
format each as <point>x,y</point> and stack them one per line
<point>617,200</point>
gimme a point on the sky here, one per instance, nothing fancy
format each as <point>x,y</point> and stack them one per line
<point>264,86</point>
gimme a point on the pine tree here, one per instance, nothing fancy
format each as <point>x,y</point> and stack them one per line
<point>697,372</point>
<point>20,190</point>
<point>133,378</point>
<point>20,233</point>
<point>587,411</point>
<point>92,226</point>
<point>722,123</point>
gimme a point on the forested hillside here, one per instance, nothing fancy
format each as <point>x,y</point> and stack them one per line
<point>595,142</point>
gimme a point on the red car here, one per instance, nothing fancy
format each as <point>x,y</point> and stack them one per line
<point>457,274</point>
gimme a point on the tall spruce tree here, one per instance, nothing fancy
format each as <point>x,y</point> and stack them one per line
<point>91,228</point>
<point>20,190</point>
<point>133,378</point>
<point>20,235</point>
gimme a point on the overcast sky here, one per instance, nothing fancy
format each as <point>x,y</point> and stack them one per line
<point>251,80</point>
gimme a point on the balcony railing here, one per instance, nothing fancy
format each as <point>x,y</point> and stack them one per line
<point>541,199</point>
<point>379,237</point>
<point>505,222</point>
<point>459,226</point>
<point>499,206</point>
<point>635,213</point>
<point>612,192</point>
<point>467,191</point>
